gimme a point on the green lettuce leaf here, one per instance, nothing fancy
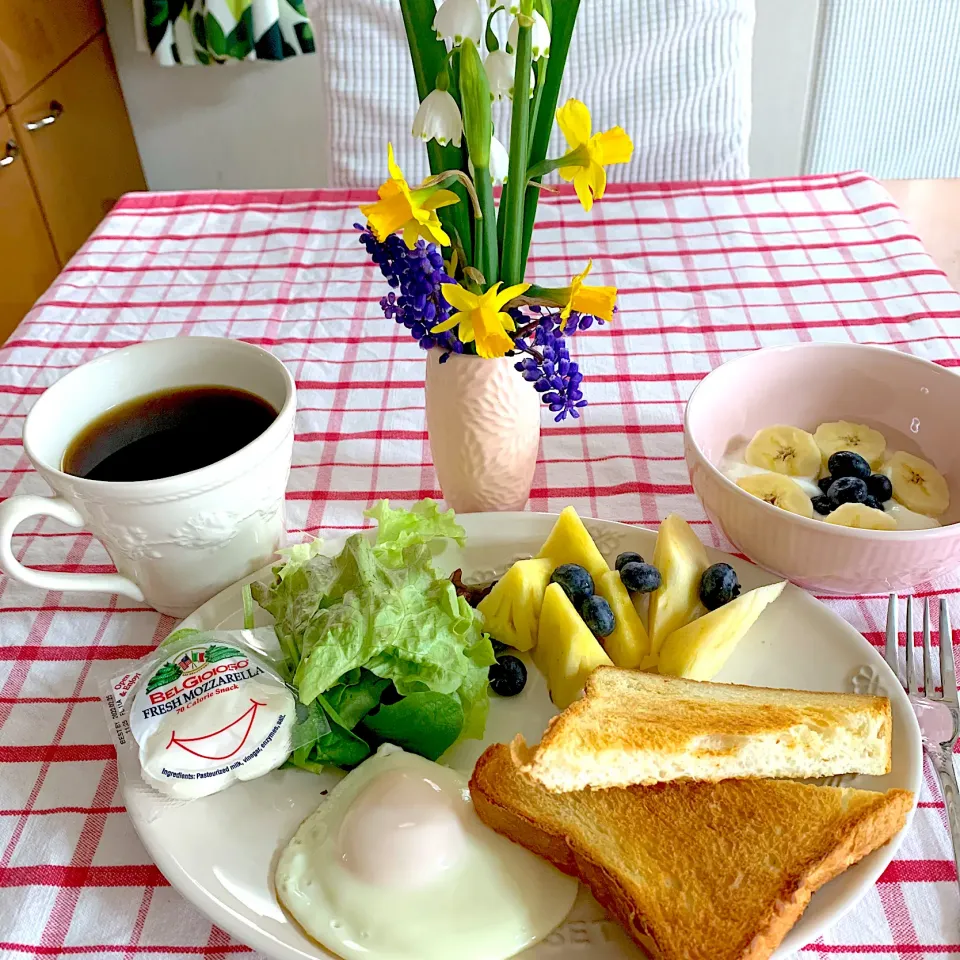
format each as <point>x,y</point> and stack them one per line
<point>415,634</point>
<point>296,555</point>
<point>299,589</point>
<point>357,693</point>
<point>474,693</point>
<point>375,622</point>
<point>423,523</point>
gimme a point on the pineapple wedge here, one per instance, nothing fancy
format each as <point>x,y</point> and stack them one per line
<point>567,652</point>
<point>681,559</point>
<point>629,644</point>
<point>569,542</point>
<point>511,610</point>
<point>700,649</point>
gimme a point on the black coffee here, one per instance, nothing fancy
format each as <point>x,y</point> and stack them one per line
<point>169,432</point>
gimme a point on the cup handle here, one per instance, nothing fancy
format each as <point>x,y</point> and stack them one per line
<point>17,509</point>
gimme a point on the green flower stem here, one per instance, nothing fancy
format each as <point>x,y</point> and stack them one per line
<point>478,131</point>
<point>489,37</point>
<point>486,238</point>
<point>573,158</point>
<point>429,55</point>
<point>564,18</point>
<point>512,259</point>
<point>547,296</point>
<point>540,296</point>
<point>541,69</point>
<point>449,177</point>
<point>501,218</point>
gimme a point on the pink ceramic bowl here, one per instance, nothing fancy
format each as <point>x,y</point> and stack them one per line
<point>913,402</point>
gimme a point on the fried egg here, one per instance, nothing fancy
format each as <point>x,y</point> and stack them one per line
<point>396,865</point>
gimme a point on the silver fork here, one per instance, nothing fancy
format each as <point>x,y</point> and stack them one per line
<point>938,714</point>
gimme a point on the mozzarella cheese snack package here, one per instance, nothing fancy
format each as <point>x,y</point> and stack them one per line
<point>205,710</point>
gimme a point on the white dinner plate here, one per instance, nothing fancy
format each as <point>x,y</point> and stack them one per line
<point>220,851</point>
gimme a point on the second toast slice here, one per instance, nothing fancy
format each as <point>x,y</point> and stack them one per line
<point>693,871</point>
<point>641,728</point>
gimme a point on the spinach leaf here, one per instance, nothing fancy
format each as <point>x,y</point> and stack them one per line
<point>340,748</point>
<point>426,723</point>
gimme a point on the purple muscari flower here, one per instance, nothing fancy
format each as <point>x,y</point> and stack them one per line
<point>419,306</point>
<point>416,274</point>
<point>548,366</point>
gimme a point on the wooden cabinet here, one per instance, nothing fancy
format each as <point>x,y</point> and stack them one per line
<point>67,152</point>
<point>27,261</point>
<point>36,36</point>
<point>75,133</point>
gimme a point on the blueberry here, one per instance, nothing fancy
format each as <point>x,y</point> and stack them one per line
<point>640,577</point>
<point>824,484</point>
<point>846,463</point>
<point>498,647</point>
<point>718,585</point>
<point>880,487</point>
<point>598,616</point>
<point>823,505</point>
<point>628,557</point>
<point>508,676</point>
<point>847,490</point>
<point>873,503</point>
<point>576,582</point>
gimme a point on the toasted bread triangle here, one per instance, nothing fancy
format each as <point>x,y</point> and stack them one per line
<point>693,871</point>
<point>633,727</point>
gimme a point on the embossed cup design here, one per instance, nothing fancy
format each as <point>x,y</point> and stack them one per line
<point>177,540</point>
<point>483,420</point>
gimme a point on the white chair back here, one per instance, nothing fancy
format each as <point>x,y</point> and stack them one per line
<point>675,75</point>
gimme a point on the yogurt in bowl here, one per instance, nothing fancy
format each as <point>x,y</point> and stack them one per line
<point>816,484</point>
<point>911,402</point>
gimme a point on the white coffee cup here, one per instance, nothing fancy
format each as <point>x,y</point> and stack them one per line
<point>178,540</point>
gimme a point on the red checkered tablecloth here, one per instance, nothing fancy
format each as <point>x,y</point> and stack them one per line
<point>706,272</point>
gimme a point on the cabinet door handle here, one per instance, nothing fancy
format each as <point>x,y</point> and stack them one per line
<point>11,152</point>
<point>56,109</point>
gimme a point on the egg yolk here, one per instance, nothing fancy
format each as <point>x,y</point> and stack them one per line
<point>401,831</point>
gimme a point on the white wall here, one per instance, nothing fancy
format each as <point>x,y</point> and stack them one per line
<point>785,43</point>
<point>264,125</point>
<point>242,125</point>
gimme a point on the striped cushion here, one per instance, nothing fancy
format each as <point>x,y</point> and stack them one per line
<point>675,75</point>
<point>885,98</point>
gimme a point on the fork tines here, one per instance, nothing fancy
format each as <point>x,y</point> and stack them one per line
<point>948,673</point>
<point>911,649</point>
<point>915,683</point>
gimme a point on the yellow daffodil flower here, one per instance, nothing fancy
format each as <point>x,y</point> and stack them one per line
<point>590,152</point>
<point>480,317</point>
<point>598,301</point>
<point>413,211</point>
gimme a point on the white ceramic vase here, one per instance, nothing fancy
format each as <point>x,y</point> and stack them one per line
<point>483,420</point>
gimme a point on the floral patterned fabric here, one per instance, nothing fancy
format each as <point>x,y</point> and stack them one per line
<point>217,31</point>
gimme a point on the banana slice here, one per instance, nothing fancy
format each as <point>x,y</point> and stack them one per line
<point>861,517</point>
<point>779,491</point>
<point>844,435</point>
<point>786,450</point>
<point>918,485</point>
